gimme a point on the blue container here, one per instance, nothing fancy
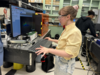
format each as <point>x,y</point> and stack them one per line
<point>74,20</point>
<point>59,24</point>
<point>44,11</point>
<point>98,42</point>
<point>3,30</point>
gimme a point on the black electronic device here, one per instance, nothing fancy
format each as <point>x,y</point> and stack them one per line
<point>5,3</point>
<point>37,21</point>
<point>1,23</point>
<point>97,26</point>
<point>8,29</point>
<point>17,14</point>
<point>2,36</point>
<point>26,1</point>
<point>42,42</point>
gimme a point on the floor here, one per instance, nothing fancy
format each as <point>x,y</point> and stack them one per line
<point>78,69</point>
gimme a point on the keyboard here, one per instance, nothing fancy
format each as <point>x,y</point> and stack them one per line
<point>41,42</point>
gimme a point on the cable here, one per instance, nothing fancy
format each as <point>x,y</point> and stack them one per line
<point>91,71</point>
<point>82,51</point>
<point>88,57</point>
<point>88,71</point>
<point>81,63</point>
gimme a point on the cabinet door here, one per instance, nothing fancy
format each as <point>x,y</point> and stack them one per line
<point>95,4</point>
<point>75,2</point>
<point>67,3</point>
<point>55,7</point>
<point>85,7</point>
<point>47,6</point>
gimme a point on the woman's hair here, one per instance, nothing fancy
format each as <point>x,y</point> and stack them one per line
<point>69,10</point>
<point>76,7</point>
<point>90,12</point>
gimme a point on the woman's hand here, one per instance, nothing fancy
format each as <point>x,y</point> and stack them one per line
<point>48,38</point>
<point>96,35</point>
<point>42,50</point>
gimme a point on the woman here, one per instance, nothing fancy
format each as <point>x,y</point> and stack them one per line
<point>68,44</point>
<point>85,23</point>
<point>76,7</point>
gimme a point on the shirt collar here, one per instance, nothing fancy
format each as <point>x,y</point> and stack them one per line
<point>70,26</point>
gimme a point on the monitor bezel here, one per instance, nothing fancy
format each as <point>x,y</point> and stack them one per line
<point>11,21</point>
<point>10,5</point>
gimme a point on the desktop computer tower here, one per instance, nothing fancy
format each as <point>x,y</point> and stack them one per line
<point>40,21</point>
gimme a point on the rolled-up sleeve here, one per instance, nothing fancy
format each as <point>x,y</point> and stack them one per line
<point>73,43</point>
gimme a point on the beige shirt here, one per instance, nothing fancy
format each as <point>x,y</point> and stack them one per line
<point>70,40</point>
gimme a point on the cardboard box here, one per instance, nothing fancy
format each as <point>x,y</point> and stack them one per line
<point>56,2</point>
<point>38,1</point>
<point>56,8</point>
<point>31,1</point>
<point>42,1</point>
<point>47,1</point>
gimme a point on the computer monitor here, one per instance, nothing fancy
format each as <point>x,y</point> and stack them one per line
<point>18,17</point>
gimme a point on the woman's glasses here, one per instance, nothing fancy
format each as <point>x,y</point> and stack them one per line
<point>62,15</point>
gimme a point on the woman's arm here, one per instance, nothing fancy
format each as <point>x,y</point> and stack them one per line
<point>92,29</point>
<point>61,53</point>
<point>53,40</point>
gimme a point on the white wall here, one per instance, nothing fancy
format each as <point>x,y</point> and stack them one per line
<point>8,12</point>
<point>1,11</point>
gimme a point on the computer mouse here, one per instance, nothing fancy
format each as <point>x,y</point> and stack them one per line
<point>33,43</point>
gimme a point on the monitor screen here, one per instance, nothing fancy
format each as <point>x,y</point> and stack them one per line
<point>19,14</point>
<point>26,25</point>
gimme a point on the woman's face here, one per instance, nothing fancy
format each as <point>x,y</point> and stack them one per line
<point>93,16</point>
<point>63,18</point>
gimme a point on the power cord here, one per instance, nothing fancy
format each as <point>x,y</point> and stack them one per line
<point>83,53</point>
<point>90,70</point>
<point>88,57</point>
